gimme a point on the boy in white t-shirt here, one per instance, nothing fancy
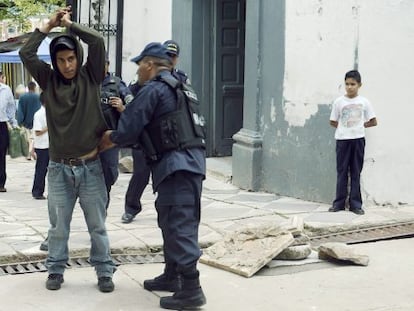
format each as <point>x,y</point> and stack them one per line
<point>351,114</point>
<point>41,149</point>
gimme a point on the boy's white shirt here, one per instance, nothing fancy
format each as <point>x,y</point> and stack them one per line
<point>39,123</point>
<point>351,113</point>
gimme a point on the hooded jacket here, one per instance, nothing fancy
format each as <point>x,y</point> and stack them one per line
<point>74,118</point>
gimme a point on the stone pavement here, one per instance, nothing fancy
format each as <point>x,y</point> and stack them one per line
<point>225,208</point>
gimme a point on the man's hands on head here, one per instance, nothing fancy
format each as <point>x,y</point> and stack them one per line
<point>61,18</point>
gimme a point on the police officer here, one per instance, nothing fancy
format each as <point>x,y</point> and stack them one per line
<point>177,179</point>
<point>114,96</point>
<point>174,52</point>
<point>141,173</point>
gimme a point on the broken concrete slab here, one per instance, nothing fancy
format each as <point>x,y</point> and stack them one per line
<point>342,252</point>
<point>246,251</point>
<point>296,252</point>
<point>294,224</point>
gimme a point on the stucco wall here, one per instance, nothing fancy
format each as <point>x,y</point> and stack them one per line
<point>324,39</point>
<point>144,21</point>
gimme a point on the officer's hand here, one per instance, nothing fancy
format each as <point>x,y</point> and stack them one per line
<point>105,142</point>
<point>116,102</point>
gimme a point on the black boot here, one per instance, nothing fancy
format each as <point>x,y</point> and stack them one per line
<point>169,281</point>
<point>190,297</point>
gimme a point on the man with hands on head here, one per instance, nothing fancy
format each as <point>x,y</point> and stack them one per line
<point>75,123</point>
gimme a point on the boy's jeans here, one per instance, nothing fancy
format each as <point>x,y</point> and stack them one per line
<point>66,184</point>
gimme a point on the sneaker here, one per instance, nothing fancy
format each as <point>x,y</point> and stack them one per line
<point>163,283</point>
<point>2,189</point>
<point>127,218</point>
<point>39,197</point>
<point>189,299</point>
<point>44,246</point>
<point>335,209</point>
<point>105,284</point>
<point>358,211</point>
<point>54,281</point>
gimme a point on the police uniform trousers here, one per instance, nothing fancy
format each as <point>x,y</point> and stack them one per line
<point>137,183</point>
<point>178,207</point>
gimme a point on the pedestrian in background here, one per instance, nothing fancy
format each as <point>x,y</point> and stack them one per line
<point>350,115</point>
<point>41,151</point>
<point>7,114</point>
<point>28,104</point>
<point>71,91</point>
<point>177,174</point>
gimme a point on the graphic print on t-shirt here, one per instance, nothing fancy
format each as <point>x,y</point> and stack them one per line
<point>352,115</point>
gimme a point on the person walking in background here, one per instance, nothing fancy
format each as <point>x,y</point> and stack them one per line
<point>19,91</point>
<point>177,172</point>
<point>29,103</point>
<point>71,91</point>
<point>7,114</point>
<point>350,115</point>
<point>114,96</point>
<point>41,151</point>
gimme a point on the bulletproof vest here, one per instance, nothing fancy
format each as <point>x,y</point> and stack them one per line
<point>181,129</point>
<point>110,88</point>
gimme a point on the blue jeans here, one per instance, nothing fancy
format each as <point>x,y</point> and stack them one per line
<point>66,184</point>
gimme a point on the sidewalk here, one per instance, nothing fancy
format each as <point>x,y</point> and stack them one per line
<point>225,208</point>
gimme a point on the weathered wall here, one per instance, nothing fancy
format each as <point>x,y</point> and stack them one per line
<point>324,39</point>
<point>144,21</point>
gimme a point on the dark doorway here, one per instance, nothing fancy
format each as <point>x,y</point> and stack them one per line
<point>229,21</point>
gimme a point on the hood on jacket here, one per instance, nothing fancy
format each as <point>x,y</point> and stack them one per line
<point>68,42</point>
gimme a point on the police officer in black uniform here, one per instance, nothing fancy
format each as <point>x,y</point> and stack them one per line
<point>141,173</point>
<point>114,96</point>
<point>177,176</point>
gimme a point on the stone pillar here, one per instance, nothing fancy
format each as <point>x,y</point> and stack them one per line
<point>247,148</point>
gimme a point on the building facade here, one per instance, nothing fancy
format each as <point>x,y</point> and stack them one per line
<point>268,72</point>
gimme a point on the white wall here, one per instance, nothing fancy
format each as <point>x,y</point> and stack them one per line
<point>144,21</point>
<point>324,39</point>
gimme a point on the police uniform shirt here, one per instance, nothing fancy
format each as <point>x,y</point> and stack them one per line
<point>154,99</point>
<point>180,76</point>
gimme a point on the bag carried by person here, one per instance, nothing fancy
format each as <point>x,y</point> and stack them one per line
<point>18,143</point>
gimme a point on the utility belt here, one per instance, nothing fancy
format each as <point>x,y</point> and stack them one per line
<point>75,161</point>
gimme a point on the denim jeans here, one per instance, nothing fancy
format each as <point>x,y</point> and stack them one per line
<point>66,184</point>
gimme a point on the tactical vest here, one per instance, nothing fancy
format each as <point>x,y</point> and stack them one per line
<point>110,89</point>
<point>177,130</point>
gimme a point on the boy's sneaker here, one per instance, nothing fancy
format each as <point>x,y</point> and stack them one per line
<point>358,211</point>
<point>54,281</point>
<point>105,284</point>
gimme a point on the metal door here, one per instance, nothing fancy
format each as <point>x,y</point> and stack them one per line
<point>229,73</point>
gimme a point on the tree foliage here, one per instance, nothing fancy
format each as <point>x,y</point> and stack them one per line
<point>18,11</point>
